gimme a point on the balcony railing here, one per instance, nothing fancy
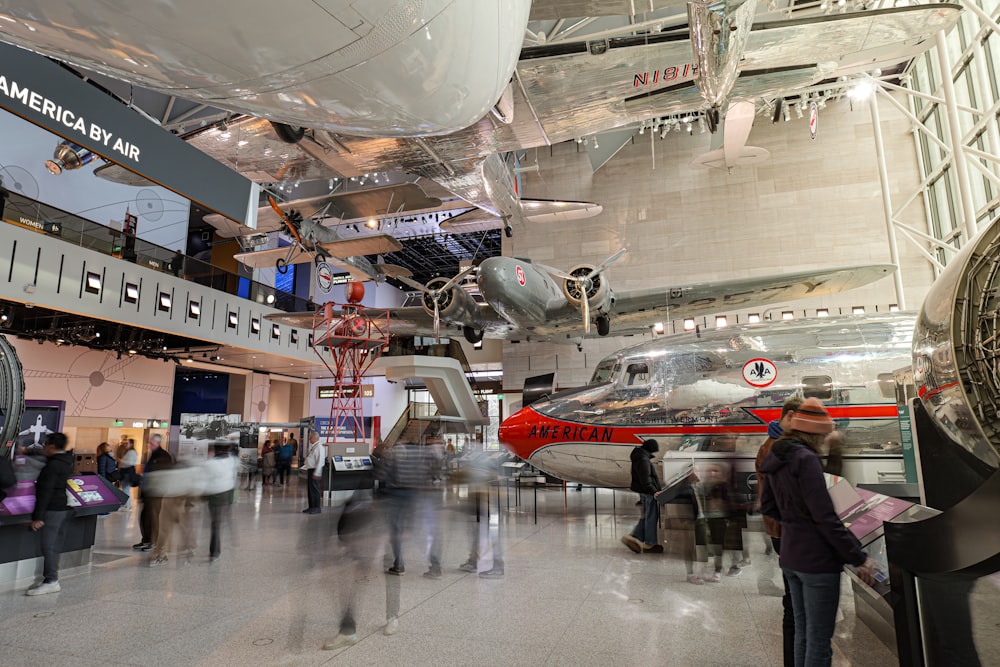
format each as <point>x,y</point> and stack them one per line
<point>19,210</point>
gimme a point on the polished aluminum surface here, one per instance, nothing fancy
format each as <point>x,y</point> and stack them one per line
<point>375,68</point>
<point>719,36</point>
<point>690,392</point>
<point>956,350</point>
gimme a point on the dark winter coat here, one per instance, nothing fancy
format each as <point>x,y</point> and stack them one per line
<point>50,487</point>
<point>644,479</point>
<point>813,539</point>
<point>106,465</point>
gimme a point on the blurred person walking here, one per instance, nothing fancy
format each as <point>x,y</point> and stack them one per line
<point>815,545</point>
<point>409,493</point>
<point>219,482</point>
<point>51,511</point>
<point>149,515</point>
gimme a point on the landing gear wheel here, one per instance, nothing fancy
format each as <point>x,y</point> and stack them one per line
<point>281,266</point>
<point>320,258</point>
<point>288,133</point>
<point>472,335</point>
<point>603,325</point>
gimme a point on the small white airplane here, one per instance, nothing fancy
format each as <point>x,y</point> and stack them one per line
<point>522,300</point>
<point>38,429</point>
<point>314,242</point>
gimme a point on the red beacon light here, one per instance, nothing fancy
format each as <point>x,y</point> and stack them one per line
<point>355,292</point>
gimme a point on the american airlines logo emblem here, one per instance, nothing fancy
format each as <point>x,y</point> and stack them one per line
<point>759,372</point>
<point>520,276</point>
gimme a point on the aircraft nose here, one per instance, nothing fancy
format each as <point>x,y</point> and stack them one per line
<point>515,432</point>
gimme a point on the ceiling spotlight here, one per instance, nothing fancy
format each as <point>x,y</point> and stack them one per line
<point>701,124</point>
<point>275,332</point>
<point>270,298</point>
<point>688,323</point>
<point>165,301</point>
<point>658,328</point>
<point>294,336</point>
<point>787,315</point>
<point>233,320</point>
<point>93,282</point>
<point>798,109</point>
<point>721,321</point>
<point>753,318</point>
<point>194,310</point>
<point>893,307</point>
<point>215,357</point>
<point>131,293</point>
<point>254,325</point>
<point>822,312</point>
<point>371,224</point>
<point>858,310</point>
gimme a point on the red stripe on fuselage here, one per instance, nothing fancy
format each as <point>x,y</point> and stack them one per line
<point>528,430</point>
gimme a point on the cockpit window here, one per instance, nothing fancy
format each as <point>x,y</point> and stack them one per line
<point>637,375</point>
<point>604,372</point>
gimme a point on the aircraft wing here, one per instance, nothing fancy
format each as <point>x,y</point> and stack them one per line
<point>377,244</point>
<point>411,321</point>
<point>344,205</point>
<point>266,259</point>
<point>634,308</point>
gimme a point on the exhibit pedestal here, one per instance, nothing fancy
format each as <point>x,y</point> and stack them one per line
<point>21,553</point>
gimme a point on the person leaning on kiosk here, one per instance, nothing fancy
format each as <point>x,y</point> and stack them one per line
<point>815,545</point>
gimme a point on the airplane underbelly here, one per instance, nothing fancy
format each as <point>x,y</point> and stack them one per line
<point>387,68</point>
<point>605,465</point>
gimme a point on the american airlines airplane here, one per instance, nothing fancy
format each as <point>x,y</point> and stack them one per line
<point>712,393</point>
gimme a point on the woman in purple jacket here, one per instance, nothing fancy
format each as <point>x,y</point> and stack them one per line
<point>815,545</point>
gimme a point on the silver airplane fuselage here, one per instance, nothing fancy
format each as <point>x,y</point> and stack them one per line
<point>715,392</point>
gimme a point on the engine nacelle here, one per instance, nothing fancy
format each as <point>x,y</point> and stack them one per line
<point>456,306</point>
<point>599,293</point>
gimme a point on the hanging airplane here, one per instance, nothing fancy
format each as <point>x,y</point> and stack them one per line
<point>711,394</point>
<point>313,242</point>
<point>375,114</point>
<point>523,300</point>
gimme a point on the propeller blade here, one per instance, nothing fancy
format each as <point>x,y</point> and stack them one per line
<point>556,272</point>
<point>585,303</point>
<point>437,322</point>
<point>414,284</point>
<point>606,263</point>
<point>451,283</point>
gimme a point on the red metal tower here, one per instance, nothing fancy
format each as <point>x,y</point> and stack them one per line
<point>348,340</point>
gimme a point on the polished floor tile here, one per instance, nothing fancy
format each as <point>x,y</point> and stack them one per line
<point>571,594</point>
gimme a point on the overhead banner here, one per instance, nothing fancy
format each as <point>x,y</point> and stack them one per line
<point>43,93</point>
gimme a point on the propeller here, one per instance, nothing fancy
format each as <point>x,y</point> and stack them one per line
<point>436,294</point>
<point>584,283</point>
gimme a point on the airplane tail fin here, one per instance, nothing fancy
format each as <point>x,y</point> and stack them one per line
<point>718,159</point>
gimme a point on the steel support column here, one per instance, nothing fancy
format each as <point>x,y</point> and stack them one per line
<point>968,209</point>
<point>883,178</point>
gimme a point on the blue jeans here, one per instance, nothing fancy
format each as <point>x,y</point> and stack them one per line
<point>645,530</point>
<point>815,598</point>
